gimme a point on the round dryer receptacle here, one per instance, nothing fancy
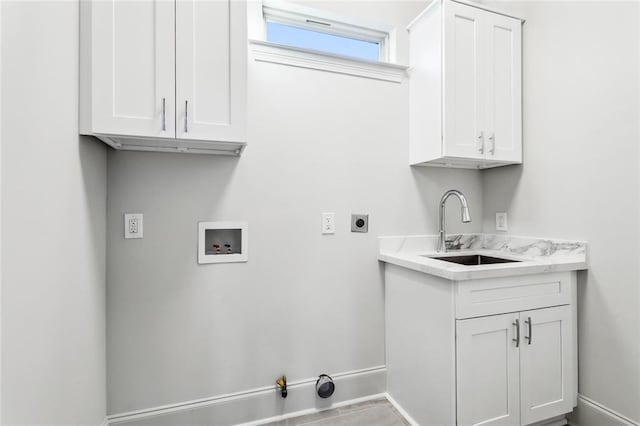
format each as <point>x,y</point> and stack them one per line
<point>325,386</point>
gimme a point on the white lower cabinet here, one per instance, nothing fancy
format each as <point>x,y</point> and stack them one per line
<point>488,365</point>
<point>514,368</point>
<point>494,351</point>
<point>546,363</point>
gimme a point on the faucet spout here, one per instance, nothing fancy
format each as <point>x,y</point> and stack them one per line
<point>465,215</point>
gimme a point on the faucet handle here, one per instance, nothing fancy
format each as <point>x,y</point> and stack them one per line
<point>453,243</point>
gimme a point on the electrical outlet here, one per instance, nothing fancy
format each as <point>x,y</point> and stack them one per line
<point>360,223</point>
<point>328,223</point>
<point>133,225</point>
<point>501,222</point>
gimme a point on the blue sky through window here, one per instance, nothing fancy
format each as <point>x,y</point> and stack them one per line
<point>316,40</point>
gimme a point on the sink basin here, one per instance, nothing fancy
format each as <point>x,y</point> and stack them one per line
<point>473,259</point>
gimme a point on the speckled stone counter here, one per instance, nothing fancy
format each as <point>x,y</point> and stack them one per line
<point>534,255</point>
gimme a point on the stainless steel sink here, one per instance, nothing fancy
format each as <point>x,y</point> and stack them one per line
<point>473,259</point>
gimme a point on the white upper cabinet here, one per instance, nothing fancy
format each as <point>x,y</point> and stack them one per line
<point>503,89</point>
<point>133,74</point>
<point>164,75</point>
<point>211,70</point>
<point>464,109</point>
<point>465,79</point>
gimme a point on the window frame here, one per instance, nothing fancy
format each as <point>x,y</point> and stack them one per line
<point>330,23</point>
<point>384,69</point>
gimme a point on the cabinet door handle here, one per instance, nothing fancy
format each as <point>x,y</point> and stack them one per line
<point>528,322</point>
<point>516,324</point>
<point>481,142</point>
<point>492,139</point>
<point>164,114</point>
<point>186,116</point>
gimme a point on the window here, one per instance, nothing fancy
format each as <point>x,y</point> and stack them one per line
<point>295,26</point>
<point>295,35</point>
<point>316,40</point>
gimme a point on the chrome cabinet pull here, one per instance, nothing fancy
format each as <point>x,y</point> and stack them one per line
<point>492,139</point>
<point>528,322</point>
<point>481,142</point>
<point>164,115</point>
<point>516,324</point>
<point>186,116</point>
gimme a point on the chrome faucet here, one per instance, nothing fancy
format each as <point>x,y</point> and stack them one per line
<point>466,217</point>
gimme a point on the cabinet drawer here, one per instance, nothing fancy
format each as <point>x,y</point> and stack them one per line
<point>499,295</point>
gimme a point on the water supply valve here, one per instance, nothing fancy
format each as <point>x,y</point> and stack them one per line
<point>282,384</point>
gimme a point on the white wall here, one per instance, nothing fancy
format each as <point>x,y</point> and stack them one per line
<point>1,274</point>
<point>53,222</point>
<point>304,303</point>
<point>580,175</point>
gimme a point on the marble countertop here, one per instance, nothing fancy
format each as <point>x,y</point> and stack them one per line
<point>534,255</point>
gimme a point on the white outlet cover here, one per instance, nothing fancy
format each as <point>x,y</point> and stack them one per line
<point>501,222</point>
<point>133,225</point>
<point>328,223</point>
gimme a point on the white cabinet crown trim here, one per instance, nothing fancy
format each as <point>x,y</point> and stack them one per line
<point>468,3</point>
<point>264,51</point>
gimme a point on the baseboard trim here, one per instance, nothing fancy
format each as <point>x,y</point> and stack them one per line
<point>313,410</point>
<point>401,410</point>
<point>265,403</point>
<point>592,413</point>
<point>562,421</point>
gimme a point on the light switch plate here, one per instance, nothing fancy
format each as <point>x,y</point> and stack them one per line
<point>133,225</point>
<point>328,223</point>
<point>501,222</point>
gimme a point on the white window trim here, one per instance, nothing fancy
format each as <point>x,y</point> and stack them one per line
<point>264,51</point>
<point>288,13</point>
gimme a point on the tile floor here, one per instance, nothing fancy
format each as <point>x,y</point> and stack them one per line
<point>377,412</point>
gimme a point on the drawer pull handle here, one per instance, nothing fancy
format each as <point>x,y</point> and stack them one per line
<point>186,116</point>
<point>528,322</point>
<point>516,324</point>
<point>164,115</point>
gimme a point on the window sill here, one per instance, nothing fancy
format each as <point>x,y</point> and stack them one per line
<point>264,51</point>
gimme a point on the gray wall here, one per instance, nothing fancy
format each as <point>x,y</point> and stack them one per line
<point>53,222</point>
<point>304,303</point>
<point>580,175</point>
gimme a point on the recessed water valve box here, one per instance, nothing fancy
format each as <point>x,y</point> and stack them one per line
<point>360,223</point>
<point>222,242</point>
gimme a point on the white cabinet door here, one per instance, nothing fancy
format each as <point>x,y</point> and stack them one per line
<point>487,371</point>
<point>503,50</point>
<point>463,97</point>
<point>211,61</point>
<point>133,80</point>
<point>546,356</point>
